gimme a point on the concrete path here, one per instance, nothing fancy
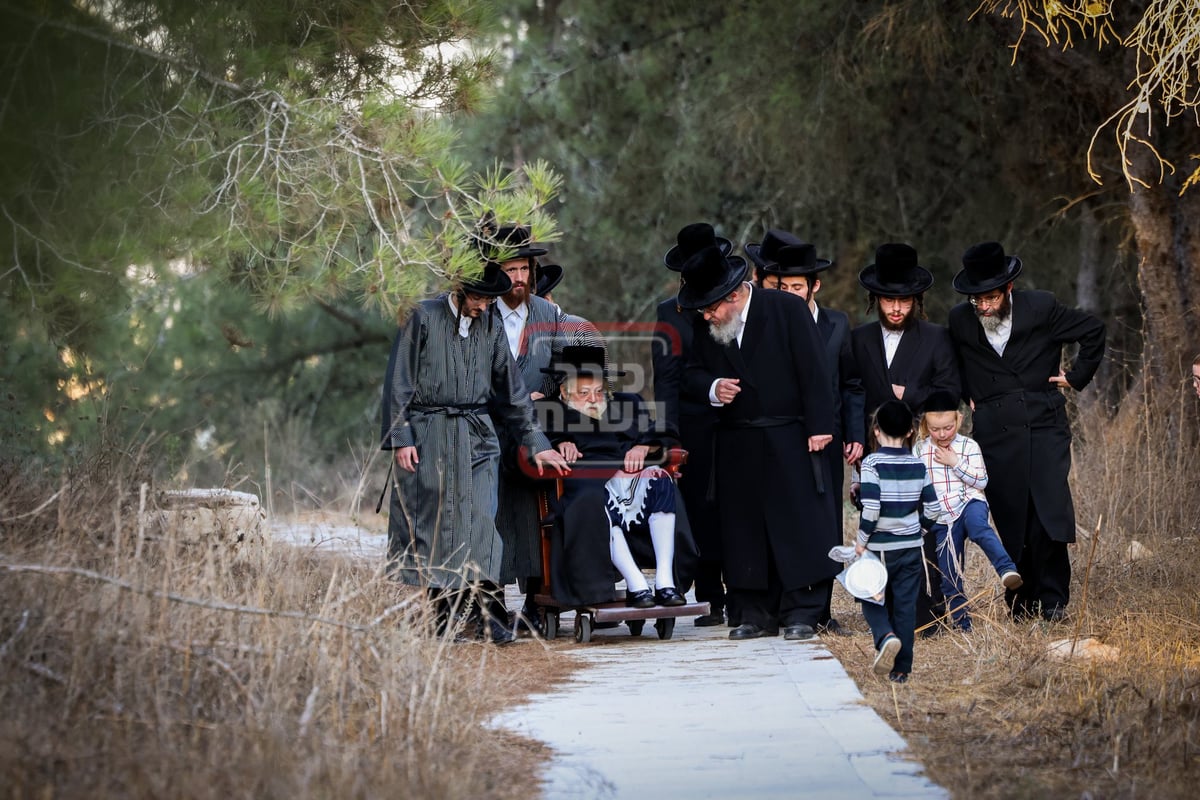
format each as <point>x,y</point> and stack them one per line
<point>700,716</point>
<point>697,716</point>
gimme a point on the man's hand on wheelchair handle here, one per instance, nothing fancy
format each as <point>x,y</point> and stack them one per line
<point>551,458</point>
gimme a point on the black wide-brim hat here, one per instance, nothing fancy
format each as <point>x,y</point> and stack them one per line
<point>507,242</point>
<point>582,360</point>
<point>986,267</point>
<point>690,240</point>
<point>708,276</point>
<point>494,281</point>
<point>895,272</point>
<point>784,254</point>
<point>547,277</point>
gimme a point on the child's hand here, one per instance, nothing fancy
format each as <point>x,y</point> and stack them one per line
<point>945,456</point>
<point>859,549</point>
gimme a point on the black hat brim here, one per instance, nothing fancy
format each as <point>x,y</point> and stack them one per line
<point>674,259</point>
<point>551,276</point>
<point>964,285</point>
<point>693,299</point>
<point>921,280</point>
<point>795,272</point>
<point>501,285</point>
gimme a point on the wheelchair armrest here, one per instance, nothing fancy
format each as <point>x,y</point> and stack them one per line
<point>674,460</point>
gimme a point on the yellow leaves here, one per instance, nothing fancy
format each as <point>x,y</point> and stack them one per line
<point>1095,9</point>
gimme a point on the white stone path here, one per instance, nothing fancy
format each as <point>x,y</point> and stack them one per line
<point>697,716</point>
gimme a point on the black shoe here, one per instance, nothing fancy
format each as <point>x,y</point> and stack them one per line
<point>1054,614</point>
<point>530,620</point>
<point>831,627</point>
<point>747,631</point>
<point>497,633</point>
<point>898,677</point>
<point>669,597</point>
<point>799,632</point>
<point>710,620</point>
<point>642,599</point>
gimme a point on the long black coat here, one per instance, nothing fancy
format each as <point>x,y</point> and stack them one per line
<point>924,363</point>
<point>692,417</point>
<point>581,567</point>
<point>1020,418</point>
<point>765,481</point>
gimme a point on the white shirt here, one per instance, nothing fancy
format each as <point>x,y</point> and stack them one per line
<point>712,390</point>
<point>514,324</point>
<point>464,322</point>
<point>816,310</point>
<point>998,339</point>
<point>891,341</point>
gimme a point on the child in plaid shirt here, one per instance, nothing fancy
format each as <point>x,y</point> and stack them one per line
<point>959,476</point>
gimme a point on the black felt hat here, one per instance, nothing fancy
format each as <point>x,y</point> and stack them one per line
<point>894,419</point>
<point>784,254</point>
<point>547,276</point>
<point>494,282</point>
<point>507,242</point>
<point>708,276</point>
<point>986,267</point>
<point>690,240</point>
<point>582,360</point>
<point>895,272</point>
<point>941,400</point>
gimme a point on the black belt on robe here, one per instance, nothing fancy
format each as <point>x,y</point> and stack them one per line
<point>777,421</point>
<point>468,410</point>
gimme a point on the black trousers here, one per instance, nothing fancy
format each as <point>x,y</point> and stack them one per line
<point>931,604</point>
<point>1045,567</point>
<point>773,607</point>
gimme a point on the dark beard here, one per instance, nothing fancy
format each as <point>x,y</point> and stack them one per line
<point>909,320</point>
<point>992,322</point>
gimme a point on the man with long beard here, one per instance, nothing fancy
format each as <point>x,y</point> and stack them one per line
<point>760,360</point>
<point>1009,344</point>
<point>904,357</point>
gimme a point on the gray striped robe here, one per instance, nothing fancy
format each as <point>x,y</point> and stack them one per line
<point>516,518</point>
<point>447,395</point>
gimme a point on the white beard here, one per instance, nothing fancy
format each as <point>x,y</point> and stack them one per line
<point>726,333</point>
<point>594,411</point>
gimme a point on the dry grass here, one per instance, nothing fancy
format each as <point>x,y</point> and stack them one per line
<point>992,715</point>
<point>176,674</point>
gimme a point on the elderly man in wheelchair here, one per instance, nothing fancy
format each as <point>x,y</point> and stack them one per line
<point>620,507</point>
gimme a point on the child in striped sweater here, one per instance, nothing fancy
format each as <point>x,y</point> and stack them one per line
<point>898,501</point>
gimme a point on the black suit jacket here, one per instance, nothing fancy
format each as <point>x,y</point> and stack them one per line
<point>924,363</point>
<point>849,398</point>
<point>672,344</point>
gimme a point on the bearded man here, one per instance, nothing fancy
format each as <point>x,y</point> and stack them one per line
<point>1009,345</point>
<point>760,359</point>
<point>619,508</point>
<point>535,330</point>
<point>450,384</point>
<point>904,357</point>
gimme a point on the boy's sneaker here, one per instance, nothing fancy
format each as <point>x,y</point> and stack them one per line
<point>1012,580</point>
<point>885,659</point>
<point>898,677</point>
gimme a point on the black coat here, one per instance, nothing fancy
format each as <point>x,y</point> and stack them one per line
<point>692,417</point>
<point>849,397</point>
<point>924,363</point>
<point>766,481</point>
<point>1020,419</point>
<point>581,567</point>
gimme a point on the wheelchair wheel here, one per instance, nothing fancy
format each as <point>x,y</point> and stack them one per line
<point>636,626</point>
<point>583,627</point>
<point>665,627</point>
<point>551,625</point>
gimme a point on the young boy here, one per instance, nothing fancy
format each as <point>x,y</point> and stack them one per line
<point>898,500</point>
<point>959,476</point>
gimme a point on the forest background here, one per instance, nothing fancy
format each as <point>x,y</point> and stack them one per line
<point>236,316</point>
<point>213,216</point>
